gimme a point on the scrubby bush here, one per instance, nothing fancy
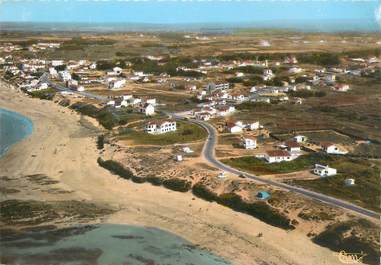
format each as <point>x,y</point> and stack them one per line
<point>156,181</point>
<point>103,116</point>
<point>203,192</point>
<point>304,93</point>
<point>259,210</point>
<point>100,141</point>
<point>334,238</point>
<point>115,168</point>
<point>177,184</point>
<point>64,102</point>
<point>137,179</point>
<point>324,59</point>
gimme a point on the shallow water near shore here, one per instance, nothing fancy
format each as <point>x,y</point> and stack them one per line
<point>13,128</point>
<point>103,244</point>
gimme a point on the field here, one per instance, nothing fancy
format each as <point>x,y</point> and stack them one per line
<point>365,172</point>
<point>185,133</point>
<point>261,167</point>
<point>366,192</point>
<point>355,113</point>
<point>321,136</point>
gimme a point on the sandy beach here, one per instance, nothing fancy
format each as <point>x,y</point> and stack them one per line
<point>65,150</point>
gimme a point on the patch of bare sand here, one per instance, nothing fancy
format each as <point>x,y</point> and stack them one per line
<point>63,150</point>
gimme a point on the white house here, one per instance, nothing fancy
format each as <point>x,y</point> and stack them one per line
<point>276,156</point>
<point>300,138</point>
<point>249,143</point>
<point>324,171</point>
<point>151,101</point>
<point>292,146</point>
<point>57,62</point>
<point>43,86</point>
<point>205,116</point>
<point>53,72</point>
<point>330,79</point>
<point>120,103</point>
<point>65,75</point>
<point>225,110</point>
<point>349,182</point>
<point>110,103</point>
<point>127,97</point>
<point>117,70</point>
<point>295,70</point>
<point>159,127</point>
<point>187,150</point>
<point>72,84</point>
<point>341,87</point>
<point>253,126</point>
<point>331,148</point>
<point>148,109</point>
<point>267,74</point>
<point>236,96</point>
<point>115,84</point>
<point>233,128</point>
<point>135,101</point>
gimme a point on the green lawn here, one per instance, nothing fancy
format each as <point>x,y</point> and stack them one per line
<point>366,192</point>
<point>261,167</point>
<point>185,133</point>
<point>44,94</point>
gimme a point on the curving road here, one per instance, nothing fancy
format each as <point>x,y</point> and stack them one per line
<point>208,153</point>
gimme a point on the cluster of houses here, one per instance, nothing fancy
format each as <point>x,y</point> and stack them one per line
<point>44,46</point>
<point>145,106</point>
<point>239,126</point>
<point>207,112</point>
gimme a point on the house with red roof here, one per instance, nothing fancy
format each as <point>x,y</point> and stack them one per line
<point>276,156</point>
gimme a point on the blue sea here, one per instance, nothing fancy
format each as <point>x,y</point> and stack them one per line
<point>105,244</point>
<point>13,128</point>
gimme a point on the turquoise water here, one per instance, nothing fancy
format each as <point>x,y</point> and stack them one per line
<point>13,128</point>
<point>104,244</point>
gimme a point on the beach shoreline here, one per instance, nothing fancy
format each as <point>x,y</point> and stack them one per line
<point>64,150</point>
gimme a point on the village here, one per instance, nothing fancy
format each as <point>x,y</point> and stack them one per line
<point>284,81</point>
<point>271,128</point>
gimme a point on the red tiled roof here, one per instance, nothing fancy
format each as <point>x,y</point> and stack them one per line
<point>277,153</point>
<point>292,144</point>
<point>326,144</point>
<point>159,122</point>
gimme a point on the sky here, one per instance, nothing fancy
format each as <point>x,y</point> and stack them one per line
<point>189,11</point>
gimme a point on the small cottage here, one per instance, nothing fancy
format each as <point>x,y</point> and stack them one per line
<point>324,171</point>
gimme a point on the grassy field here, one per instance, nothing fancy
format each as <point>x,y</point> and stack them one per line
<point>355,113</point>
<point>366,192</point>
<point>368,150</point>
<point>261,167</point>
<point>321,136</point>
<point>185,133</point>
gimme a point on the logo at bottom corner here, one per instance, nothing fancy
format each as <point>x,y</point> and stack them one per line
<point>350,258</point>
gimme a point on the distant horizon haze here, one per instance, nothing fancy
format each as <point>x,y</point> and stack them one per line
<point>329,15</point>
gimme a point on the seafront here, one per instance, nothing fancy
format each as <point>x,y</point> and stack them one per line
<point>62,148</point>
<point>13,128</point>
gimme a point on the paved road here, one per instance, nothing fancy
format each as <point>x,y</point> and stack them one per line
<point>209,155</point>
<point>44,78</point>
